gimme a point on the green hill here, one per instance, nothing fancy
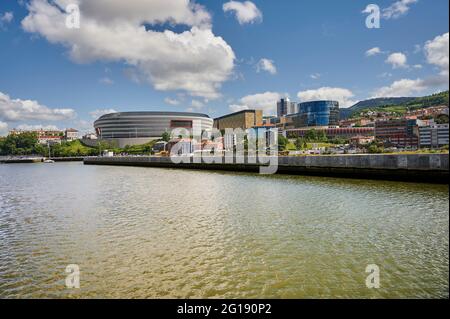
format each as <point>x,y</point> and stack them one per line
<point>397,104</point>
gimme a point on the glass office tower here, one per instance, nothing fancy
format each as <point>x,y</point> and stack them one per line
<point>318,113</point>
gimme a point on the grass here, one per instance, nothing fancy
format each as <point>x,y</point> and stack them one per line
<point>291,146</point>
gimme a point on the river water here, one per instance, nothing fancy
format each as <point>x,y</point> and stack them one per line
<point>163,233</point>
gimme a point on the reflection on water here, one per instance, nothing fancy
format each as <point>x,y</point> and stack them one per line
<point>160,233</point>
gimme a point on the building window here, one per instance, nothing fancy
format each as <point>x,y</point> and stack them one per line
<point>181,124</point>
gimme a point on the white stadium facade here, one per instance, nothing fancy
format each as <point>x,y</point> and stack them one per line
<point>135,128</point>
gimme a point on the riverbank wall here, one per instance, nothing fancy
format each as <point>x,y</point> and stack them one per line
<point>423,168</point>
<point>39,160</point>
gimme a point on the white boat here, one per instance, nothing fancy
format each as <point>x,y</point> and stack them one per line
<point>49,161</point>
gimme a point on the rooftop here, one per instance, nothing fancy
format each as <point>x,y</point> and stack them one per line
<point>150,113</point>
<point>236,113</point>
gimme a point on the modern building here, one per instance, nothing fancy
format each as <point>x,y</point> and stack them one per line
<point>245,119</point>
<point>285,107</point>
<point>135,128</point>
<point>347,133</point>
<point>433,136</point>
<point>397,132</point>
<point>268,120</point>
<point>317,114</point>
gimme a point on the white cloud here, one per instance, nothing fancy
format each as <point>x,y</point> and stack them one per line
<point>266,65</point>
<point>106,80</point>
<point>373,51</point>
<point>195,61</point>
<point>418,66</point>
<point>12,110</point>
<point>237,107</point>
<point>397,60</point>
<point>401,88</point>
<point>97,113</point>
<point>27,127</point>
<point>417,49</point>
<point>3,128</point>
<point>409,87</point>
<point>171,101</point>
<point>398,9</point>
<point>197,104</point>
<point>262,101</point>
<point>315,76</point>
<point>385,75</point>
<point>343,96</point>
<point>246,12</point>
<point>437,52</point>
<point>6,18</point>
<point>84,126</point>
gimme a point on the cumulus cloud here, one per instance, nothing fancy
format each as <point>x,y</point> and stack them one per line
<point>97,113</point>
<point>246,12</point>
<point>6,18</point>
<point>198,105</point>
<point>397,60</point>
<point>12,110</point>
<point>373,51</point>
<point>343,96</point>
<point>267,66</point>
<point>410,87</point>
<point>106,80</point>
<point>437,52</point>
<point>262,101</point>
<point>238,107</point>
<point>3,128</point>
<point>195,61</point>
<point>27,127</point>
<point>398,9</point>
<point>171,101</point>
<point>401,88</point>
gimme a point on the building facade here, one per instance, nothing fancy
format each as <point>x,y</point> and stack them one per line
<point>397,132</point>
<point>347,133</point>
<point>244,120</point>
<point>285,107</point>
<point>71,134</point>
<point>317,114</point>
<point>44,136</point>
<point>433,136</point>
<point>135,128</point>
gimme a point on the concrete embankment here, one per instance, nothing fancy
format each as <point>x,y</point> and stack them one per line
<point>39,160</point>
<point>429,168</point>
<point>21,160</point>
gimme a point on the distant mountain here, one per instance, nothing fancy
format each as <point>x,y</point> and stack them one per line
<point>406,102</point>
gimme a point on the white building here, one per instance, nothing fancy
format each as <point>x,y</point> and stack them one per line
<point>433,135</point>
<point>71,134</point>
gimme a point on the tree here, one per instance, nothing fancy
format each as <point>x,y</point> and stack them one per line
<point>442,119</point>
<point>22,144</point>
<point>375,148</point>
<point>166,137</point>
<point>300,144</point>
<point>282,143</point>
<point>316,136</point>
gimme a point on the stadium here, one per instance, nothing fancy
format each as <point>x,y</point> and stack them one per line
<point>135,128</point>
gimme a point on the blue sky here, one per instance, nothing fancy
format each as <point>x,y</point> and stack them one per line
<point>305,49</point>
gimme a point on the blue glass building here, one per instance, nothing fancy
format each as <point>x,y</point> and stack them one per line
<point>317,113</point>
